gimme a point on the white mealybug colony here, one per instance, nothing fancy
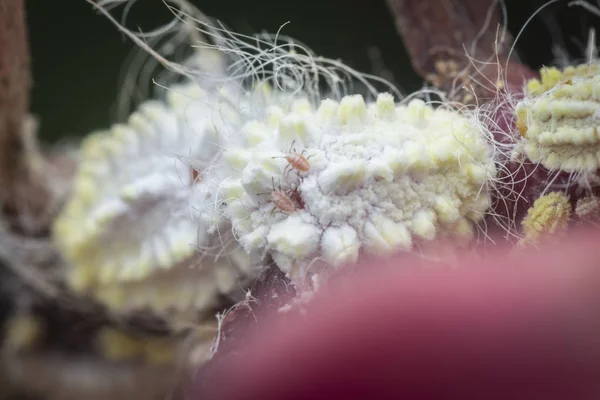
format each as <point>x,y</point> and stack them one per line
<point>382,177</point>
<point>128,229</point>
<point>272,159</point>
<point>560,117</point>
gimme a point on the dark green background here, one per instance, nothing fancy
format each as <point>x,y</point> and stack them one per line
<point>78,55</point>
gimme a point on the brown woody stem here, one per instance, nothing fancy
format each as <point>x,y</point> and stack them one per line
<point>23,192</point>
<point>443,37</point>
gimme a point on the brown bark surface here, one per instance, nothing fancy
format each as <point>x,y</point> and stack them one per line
<point>459,46</point>
<point>23,191</point>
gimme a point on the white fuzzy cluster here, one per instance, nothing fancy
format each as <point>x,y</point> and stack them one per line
<point>560,119</point>
<point>304,184</point>
<point>129,230</point>
<point>255,155</point>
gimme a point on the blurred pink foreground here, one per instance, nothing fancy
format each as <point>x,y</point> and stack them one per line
<point>520,326</point>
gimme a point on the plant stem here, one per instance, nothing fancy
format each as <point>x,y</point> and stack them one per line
<point>23,191</point>
<point>457,45</point>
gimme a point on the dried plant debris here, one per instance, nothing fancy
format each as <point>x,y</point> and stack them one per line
<point>587,209</point>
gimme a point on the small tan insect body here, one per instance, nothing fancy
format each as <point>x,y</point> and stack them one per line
<point>282,201</point>
<point>298,162</point>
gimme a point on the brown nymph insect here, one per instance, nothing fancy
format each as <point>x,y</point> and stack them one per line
<point>296,161</point>
<point>283,200</point>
